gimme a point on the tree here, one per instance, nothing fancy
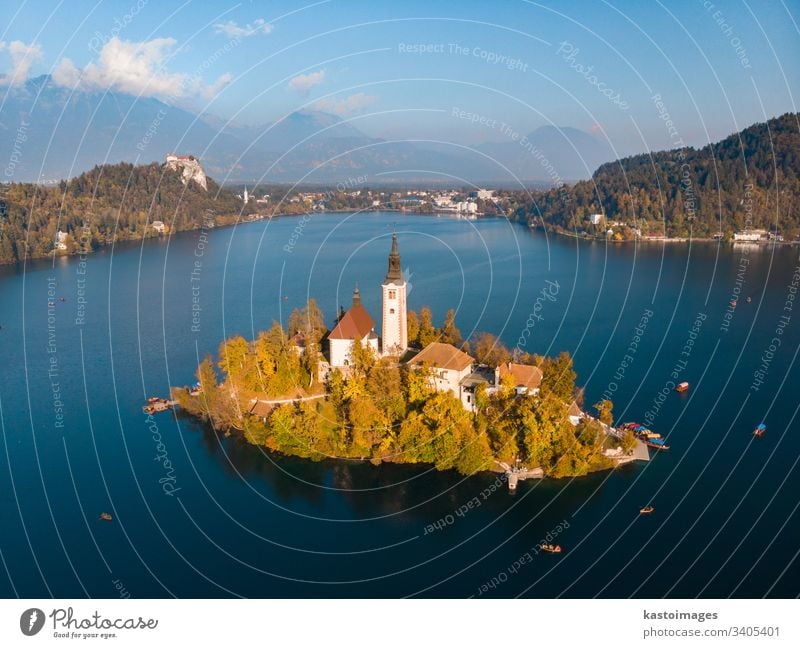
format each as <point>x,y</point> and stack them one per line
<point>488,350</point>
<point>234,358</point>
<point>628,441</point>
<point>558,376</point>
<point>310,322</point>
<point>295,323</point>
<point>336,391</point>
<point>362,357</point>
<point>427,332</point>
<point>475,454</point>
<point>415,440</point>
<point>418,384</point>
<point>412,327</point>
<point>449,333</point>
<point>605,411</point>
<point>385,386</point>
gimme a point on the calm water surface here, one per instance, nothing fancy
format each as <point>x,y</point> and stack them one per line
<point>241,522</point>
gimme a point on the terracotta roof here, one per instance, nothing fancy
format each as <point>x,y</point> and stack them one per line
<point>574,410</point>
<point>356,323</point>
<point>524,375</point>
<point>443,356</point>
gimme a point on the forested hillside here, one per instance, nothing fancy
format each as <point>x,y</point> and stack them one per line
<point>110,202</point>
<point>750,179</point>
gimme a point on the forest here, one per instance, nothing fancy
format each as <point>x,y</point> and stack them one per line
<point>382,411</point>
<point>109,203</point>
<point>748,180</point>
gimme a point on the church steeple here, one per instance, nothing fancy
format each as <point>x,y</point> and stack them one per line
<point>395,326</point>
<point>356,297</point>
<point>394,274</point>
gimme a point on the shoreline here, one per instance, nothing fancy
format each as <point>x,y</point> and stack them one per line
<point>158,237</point>
<point>664,239</point>
<point>549,230</point>
<point>238,436</point>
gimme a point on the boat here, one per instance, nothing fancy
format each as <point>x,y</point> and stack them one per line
<point>749,300</point>
<point>682,387</point>
<point>646,510</point>
<point>658,444</point>
<point>156,404</point>
<point>550,548</point>
<point>106,517</point>
<point>760,430</point>
<point>733,303</point>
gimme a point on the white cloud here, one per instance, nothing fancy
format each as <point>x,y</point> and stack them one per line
<point>303,83</point>
<point>211,91</point>
<point>352,104</point>
<point>233,30</point>
<point>135,68</point>
<point>22,58</point>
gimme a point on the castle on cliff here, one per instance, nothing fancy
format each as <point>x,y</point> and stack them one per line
<point>189,168</point>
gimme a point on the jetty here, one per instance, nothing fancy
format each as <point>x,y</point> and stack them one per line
<point>518,474</point>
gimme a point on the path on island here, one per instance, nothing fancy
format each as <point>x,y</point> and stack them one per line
<point>287,400</point>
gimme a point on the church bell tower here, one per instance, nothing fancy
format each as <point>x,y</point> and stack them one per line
<point>395,333</point>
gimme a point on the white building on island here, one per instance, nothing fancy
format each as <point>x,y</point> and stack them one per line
<point>395,323</point>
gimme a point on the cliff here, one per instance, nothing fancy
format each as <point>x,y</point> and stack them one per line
<point>189,167</point>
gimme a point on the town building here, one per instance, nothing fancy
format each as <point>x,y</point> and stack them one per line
<point>527,378</point>
<point>595,219</point>
<point>750,235</point>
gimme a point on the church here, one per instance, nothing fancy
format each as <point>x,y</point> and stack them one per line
<point>356,323</point>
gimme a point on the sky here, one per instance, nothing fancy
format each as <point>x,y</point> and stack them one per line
<point>448,71</point>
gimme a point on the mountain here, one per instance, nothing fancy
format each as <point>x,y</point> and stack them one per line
<point>65,133</point>
<point>750,179</point>
<point>50,132</point>
<point>551,154</point>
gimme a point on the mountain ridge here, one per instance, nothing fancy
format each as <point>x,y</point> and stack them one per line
<point>69,132</point>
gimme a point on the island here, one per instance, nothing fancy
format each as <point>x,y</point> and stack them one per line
<point>414,394</point>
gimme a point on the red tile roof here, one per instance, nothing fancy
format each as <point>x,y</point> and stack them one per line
<point>524,375</point>
<point>443,356</point>
<point>356,323</point>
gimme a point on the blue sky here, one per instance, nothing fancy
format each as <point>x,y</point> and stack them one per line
<point>401,69</point>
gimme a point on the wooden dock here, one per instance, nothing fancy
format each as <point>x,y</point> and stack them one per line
<point>516,475</point>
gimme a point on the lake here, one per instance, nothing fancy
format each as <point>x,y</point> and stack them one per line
<point>237,521</point>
